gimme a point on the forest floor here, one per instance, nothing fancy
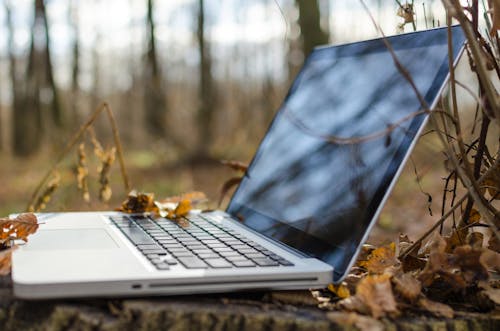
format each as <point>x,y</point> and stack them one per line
<point>406,210</point>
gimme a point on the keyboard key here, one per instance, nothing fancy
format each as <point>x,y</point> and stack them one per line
<point>241,264</point>
<point>148,246</point>
<point>205,256</point>
<point>284,262</point>
<point>248,251</point>
<point>256,256</point>
<point>183,254</point>
<point>218,263</point>
<point>153,251</point>
<point>192,262</point>
<point>236,258</point>
<point>229,253</point>
<point>162,266</point>
<point>266,262</point>
<point>137,236</point>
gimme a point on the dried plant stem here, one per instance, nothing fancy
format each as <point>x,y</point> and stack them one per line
<point>118,146</point>
<point>473,190</point>
<point>450,211</point>
<point>456,11</point>
<point>75,138</point>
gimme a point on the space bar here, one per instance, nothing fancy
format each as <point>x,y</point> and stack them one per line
<point>137,236</point>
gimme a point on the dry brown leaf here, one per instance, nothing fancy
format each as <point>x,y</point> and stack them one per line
<point>495,17</point>
<point>469,262</point>
<point>410,261</point>
<point>18,228</point>
<point>341,291</point>
<point>6,260</point>
<point>492,293</point>
<point>364,323</point>
<point>183,208</point>
<point>138,203</point>
<point>494,243</point>
<point>457,238</point>
<point>354,303</point>
<point>375,292</point>
<point>235,165</point>
<point>380,259</point>
<point>436,308</point>
<point>490,259</point>
<point>407,286</point>
<point>439,265</point>
<point>474,216</point>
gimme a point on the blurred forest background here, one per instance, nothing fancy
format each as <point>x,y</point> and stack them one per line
<point>190,82</point>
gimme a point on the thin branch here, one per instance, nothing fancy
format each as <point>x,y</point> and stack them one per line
<point>449,212</point>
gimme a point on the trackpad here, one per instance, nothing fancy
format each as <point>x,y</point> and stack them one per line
<point>63,239</point>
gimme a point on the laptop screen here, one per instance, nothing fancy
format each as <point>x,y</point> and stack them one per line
<point>320,175</point>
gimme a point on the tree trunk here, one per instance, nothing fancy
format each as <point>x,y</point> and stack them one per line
<point>75,68</point>
<point>155,103</point>
<point>25,118</point>
<point>310,25</point>
<point>206,89</point>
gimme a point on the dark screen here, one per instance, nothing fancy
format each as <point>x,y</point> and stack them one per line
<point>322,170</point>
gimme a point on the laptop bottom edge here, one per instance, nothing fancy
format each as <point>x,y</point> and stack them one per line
<point>159,288</point>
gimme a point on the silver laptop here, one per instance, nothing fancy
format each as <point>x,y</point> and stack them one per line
<point>306,204</point>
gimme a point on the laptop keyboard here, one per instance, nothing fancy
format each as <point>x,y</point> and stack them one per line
<point>202,244</point>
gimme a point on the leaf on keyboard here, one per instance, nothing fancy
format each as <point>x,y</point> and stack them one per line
<point>139,203</point>
<point>18,228</point>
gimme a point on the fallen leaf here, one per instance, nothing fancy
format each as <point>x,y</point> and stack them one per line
<point>469,262</point>
<point>457,238</point>
<point>494,243</point>
<point>183,208</point>
<point>375,292</point>
<point>18,228</point>
<point>407,286</point>
<point>138,203</point>
<point>364,323</point>
<point>490,259</point>
<point>436,308</point>
<point>439,265</point>
<point>380,259</point>
<point>354,303</point>
<point>410,261</point>
<point>492,293</point>
<point>341,291</point>
<point>495,17</point>
<point>474,216</point>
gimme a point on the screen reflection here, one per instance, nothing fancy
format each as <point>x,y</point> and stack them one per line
<point>329,157</point>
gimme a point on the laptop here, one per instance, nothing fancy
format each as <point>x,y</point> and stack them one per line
<point>298,219</point>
